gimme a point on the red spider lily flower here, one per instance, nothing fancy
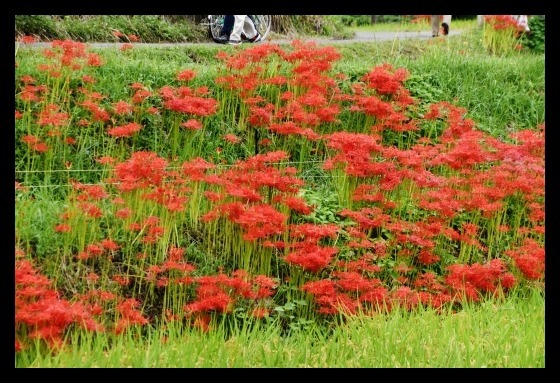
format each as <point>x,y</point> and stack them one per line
<point>202,91</point>
<point>133,38</point>
<point>28,39</point>
<point>27,79</point>
<point>428,280</point>
<point>367,218</point>
<point>122,107</point>
<point>196,169</point>
<point>105,160</point>
<point>192,124</point>
<point>529,259</point>
<point>140,95</point>
<point>30,140</point>
<point>29,93</point>
<point>92,277</point>
<point>321,287</point>
<point>123,213</point>
<point>352,281</point>
<point>385,79</point>
<point>70,140</point>
<point>40,147</point>
<point>297,204</point>
<point>167,92</point>
<point>313,232</point>
<point>175,254</point>
<point>151,221</point>
<point>87,79</point>
<point>109,244</point>
<point>18,115</point>
<point>275,80</point>
<point>94,60</point>
<point>127,130</point>
<point>141,170</point>
<point>94,249</point>
<point>502,22</point>
<point>311,257</point>
<point>261,221</point>
<point>63,228</point>
<point>153,234</point>
<point>91,209</point>
<point>99,114</point>
<point>40,308</point>
<point>219,301</point>
<point>93,192</point>
<point>232,138</point>
<point>186,75</point>
<point>260,116</point>
<point>471,280</point>
<point>197,106</point>
<point>122,280</point>
<point>118,33</point>
<point>363,264</point>
<point>426,257</point>
<point>126,47</point>
<point>265,286</point>
<point>129,315</point>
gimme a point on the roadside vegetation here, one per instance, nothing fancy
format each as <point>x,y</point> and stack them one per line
<point>360,205</point>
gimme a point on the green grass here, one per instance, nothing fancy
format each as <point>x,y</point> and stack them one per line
<point>508,334</point>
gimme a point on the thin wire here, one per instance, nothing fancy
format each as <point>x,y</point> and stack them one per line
<point>170,168</point>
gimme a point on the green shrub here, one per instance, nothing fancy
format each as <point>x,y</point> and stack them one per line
<point>41,26</point>
<point>355,20</point>
<point>109,28</point>
<point>534,40</point>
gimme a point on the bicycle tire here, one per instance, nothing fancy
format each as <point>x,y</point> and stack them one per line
<point>262,23</point>
<point>215,24</point>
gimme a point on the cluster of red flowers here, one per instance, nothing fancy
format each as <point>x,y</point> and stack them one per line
<point>405,221</point>
<point>41,313</point>
<point>501,22</point>
<point>220,293</point>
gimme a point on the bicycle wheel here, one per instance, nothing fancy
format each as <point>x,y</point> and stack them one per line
<point>215,24</point>
<point>262,23</point>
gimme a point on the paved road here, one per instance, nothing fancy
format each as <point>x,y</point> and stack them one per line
<point>359,37</point>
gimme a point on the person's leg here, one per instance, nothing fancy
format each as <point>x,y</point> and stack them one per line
<point>446,24</point>
<point>235,36</point>
<point>249,29</point>
<point>226,28</point>
<point>435,25</point>
<point>228,25</point>
<point>480,20</point>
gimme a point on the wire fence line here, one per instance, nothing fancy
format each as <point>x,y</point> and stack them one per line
<point>170,168</point>
<point>305,176</point>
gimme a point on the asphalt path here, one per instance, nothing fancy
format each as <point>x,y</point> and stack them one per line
<point>359,37</point>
